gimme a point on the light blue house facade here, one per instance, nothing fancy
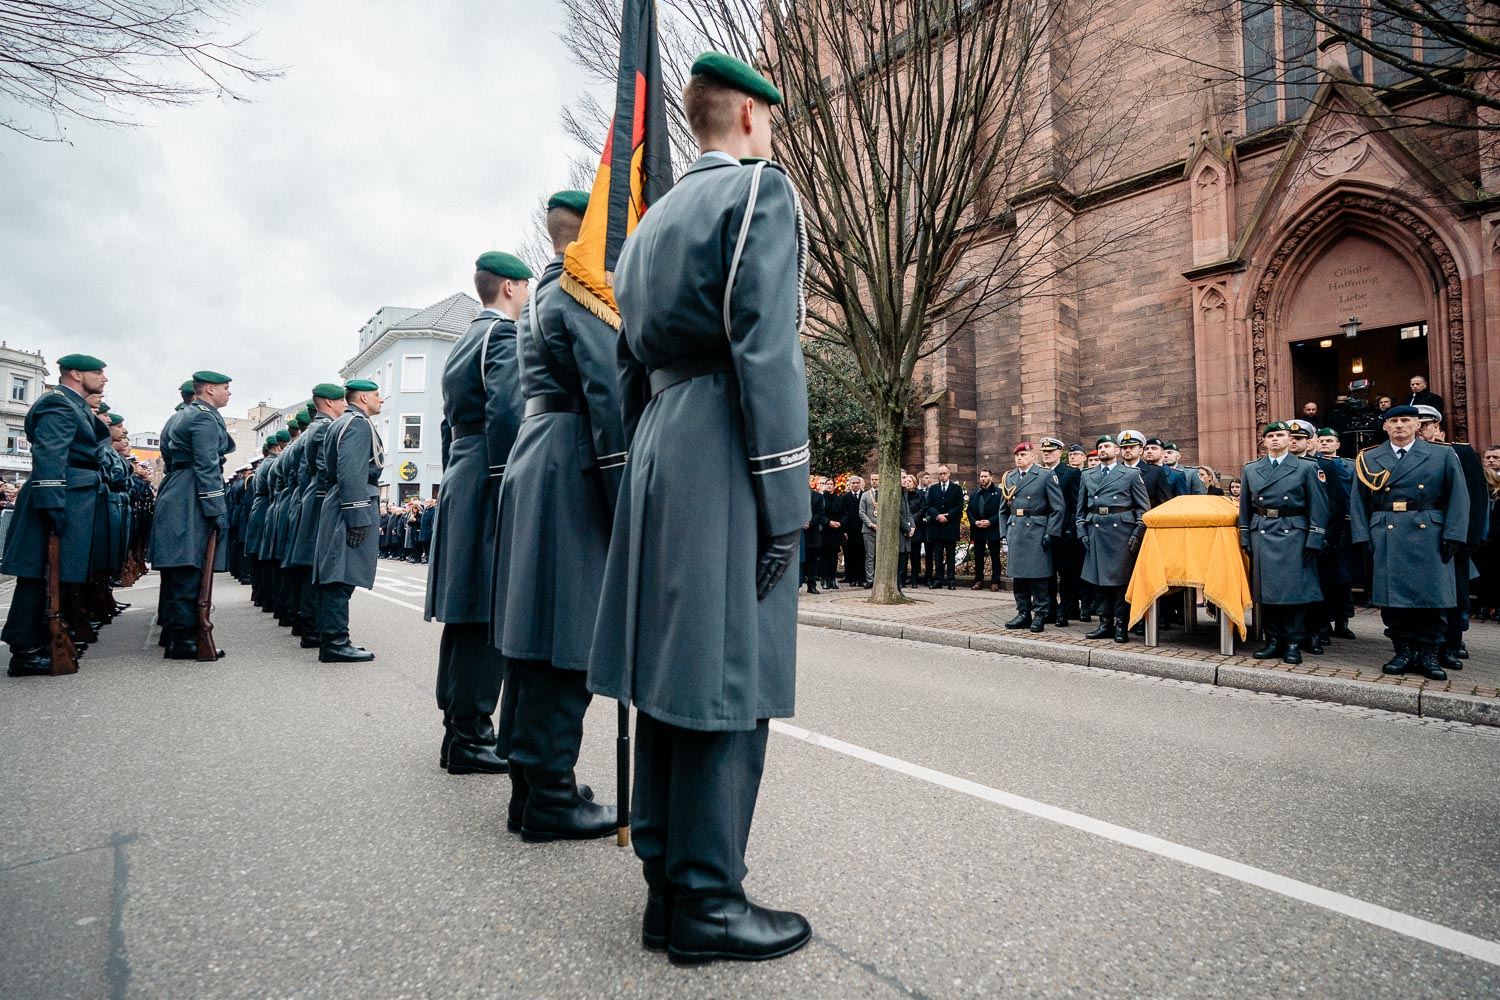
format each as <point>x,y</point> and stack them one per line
<point>404,351</point>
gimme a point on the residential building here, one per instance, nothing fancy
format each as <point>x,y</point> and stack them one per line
<point>23,374</point>
<point>404,351</point>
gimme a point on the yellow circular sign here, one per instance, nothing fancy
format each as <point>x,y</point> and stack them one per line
<point>408,471</point>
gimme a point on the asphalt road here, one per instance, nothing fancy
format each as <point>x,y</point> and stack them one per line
<point>957,824</point>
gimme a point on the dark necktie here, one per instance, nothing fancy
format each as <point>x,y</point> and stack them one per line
<point>1400,454</point>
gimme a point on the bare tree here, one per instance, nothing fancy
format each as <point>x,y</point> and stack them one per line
<point>939,147</point>
<point>91,59</point>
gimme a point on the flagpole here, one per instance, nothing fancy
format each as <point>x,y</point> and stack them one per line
<point>622,776</point>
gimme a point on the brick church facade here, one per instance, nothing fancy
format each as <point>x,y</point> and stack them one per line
<point>1283,213</point>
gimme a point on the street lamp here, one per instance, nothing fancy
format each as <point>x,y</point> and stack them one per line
<point>1351,328</point>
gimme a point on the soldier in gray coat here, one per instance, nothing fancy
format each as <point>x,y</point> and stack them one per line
<point>1283,520</point>
<point>1411,506</point>
<point>557,505</point>
<point>1112,501</point>
<point>349,466</point>
<point>328,405</point>
<point>255,528</point>
<point>58,498</point>
<point>189,505</point>
<point>1031,519</point>
<point>482,408</point>
<point>698,627</point>
<point>284,511</point>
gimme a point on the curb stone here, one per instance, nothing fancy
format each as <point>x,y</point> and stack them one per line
<point>1387,697</point>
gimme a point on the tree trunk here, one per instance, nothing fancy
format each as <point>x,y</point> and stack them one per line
<point>889,430</point>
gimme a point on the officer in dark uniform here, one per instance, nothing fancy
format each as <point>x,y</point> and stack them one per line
<point>59,499</point>
<point>985,529</point>
<point>189,506</point>
<point>1067,551</point>
<point>1283,520</point>
<point>482,408</point>
<point>1411,507</point>
<point>1033,517</point>
<point>1452,653</point>
<point>714,391</point>
<point>349,465</point>
<point>1304,445</point>
<point>328,405</point>
<point>1110,526</point>
<point>557,506</point>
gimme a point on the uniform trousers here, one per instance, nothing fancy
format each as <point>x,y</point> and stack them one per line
<point>307,613</point>
<point>179,587</point>
<point>1286,622</point>
<point>1112,604</point>
<point>470,672</point>
<point>547,728</point>
<point>333,612</point>
<point>987,548</point>
<point>298,605</point>
<point>1414,625</point>
<point>26,624</point>
<point>868,547</point>
<point>944,569</point>
<point>812,558</point>
<point>854,556</point>
<point>828,563</point>
<point>1031,595</point>
<point>1458,615</point>
<point>1335,603</point>
<point>911,562</point>
<point>1063,588</point>
<point>693,804</point>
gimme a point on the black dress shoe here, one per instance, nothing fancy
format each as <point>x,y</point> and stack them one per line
<point>1085,618</point>
<point>1140,628</point>
<point>1343,632</point>
<point>311,640</point>
<point>1038,623</point>
<point>297,628</point>
<point>950,584</point>
<point>737,930</point>
<point>1292,653</point>
<point>812,589</point>
<point>1313,646</point>
<point>1270,651</point>
<point>1122,634</point>
<point>1325,635</point>
<point>464,758</point>
<point>656,922</point>
<point>1060,621</point>
<point>1447,660</point>
<point>1400,662</point>
<point>1104,631</point>
<point>1462,652</point>
<point>830,586</point>
<point>35,661</point>
<point>1021,620</point>
<point>343,652</point>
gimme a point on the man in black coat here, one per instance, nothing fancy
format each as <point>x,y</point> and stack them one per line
<point>984,530</point>
<point>945,508</point>
<point>1067,551</point>
<point>854,536</point>
<point>833,534</point>
<point>812,540</point>
<point>1421,397</point>
<point>910,571</point>
<point>429,514</point>
<point>1452,653</point>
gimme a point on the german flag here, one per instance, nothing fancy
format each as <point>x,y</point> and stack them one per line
<point>632,176</point>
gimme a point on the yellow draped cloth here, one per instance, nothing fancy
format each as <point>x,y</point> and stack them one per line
<point>1192,541</point>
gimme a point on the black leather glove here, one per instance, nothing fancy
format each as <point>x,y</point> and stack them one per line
<point>221,525</point>
<point>1134,545</point>
<point>1046,542</point>
<point>1451,549</point>
<point>1309,556</point>
<point>779,553</point>
<point>59,518</point>
<point>355,537</point>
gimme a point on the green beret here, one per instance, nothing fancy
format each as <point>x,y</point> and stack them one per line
<point>115,418</point>
<point>302,418</point>
<point>80,363</point>
<point>282,436</point>
<point>1275,425</point>
<point>328,390</point>
<point>738,75</point>
<point>103,407</point>
<point>212,378</point>
<point>361,385</point>
<point>504,264</point>
<point>1327,432</point>
<point>572,200</point>
<point>186,387</point>
<point>1170,446</point>
<point>1105,439</point>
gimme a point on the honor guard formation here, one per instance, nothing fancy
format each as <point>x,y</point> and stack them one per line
<point>567,547</point>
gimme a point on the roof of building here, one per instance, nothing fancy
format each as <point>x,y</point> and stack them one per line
<point>452,315</point>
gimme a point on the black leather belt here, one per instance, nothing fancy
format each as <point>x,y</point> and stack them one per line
<point>467,430</point>
<point>1109,510</point>
<point>94,466</point>
<point>537,405</point>
<point>1281,511</point>
<point>1403,506</point>
<point>1024,511</point>
<point>690,367</point>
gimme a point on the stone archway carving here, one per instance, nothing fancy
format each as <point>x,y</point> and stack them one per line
<point>1397,214</point>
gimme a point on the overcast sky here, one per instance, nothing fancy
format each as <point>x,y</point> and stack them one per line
<point>256,238</point>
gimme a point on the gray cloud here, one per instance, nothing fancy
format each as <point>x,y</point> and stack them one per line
<point>256,238</point>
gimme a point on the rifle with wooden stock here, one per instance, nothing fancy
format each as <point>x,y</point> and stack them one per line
<point>63,653</point>
<point>207,651</point>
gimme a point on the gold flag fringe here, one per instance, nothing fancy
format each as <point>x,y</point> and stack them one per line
<point>593,303</point>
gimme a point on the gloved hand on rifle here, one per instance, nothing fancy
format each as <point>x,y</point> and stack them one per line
<point>355,537</point>
<point>221,525</point>
<point>59,519</point>
<point>778,554</point>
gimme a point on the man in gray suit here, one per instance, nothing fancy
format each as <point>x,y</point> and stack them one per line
<point>349,466</point>
<point>867,511</point>
<point>714,390</point>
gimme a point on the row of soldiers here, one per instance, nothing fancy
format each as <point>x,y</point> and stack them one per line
<point>87,491</point>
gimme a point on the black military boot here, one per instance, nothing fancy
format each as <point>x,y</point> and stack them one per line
<point>472,749</point>
<point>556,810</point>
<point>1402,659</point>
<point>1021,620</point>
<point>1313,645</point>
<point>1106,630</point>
<point>1342,630</point>
<point>311,640</point>
<point>705,930</point>
<point>1462,652</point>
<point>656,922</point>
<point>1038,622</point>
<point>1427,662</point>
<point>1270,651</point>
<point>1060,619</point>
<point>447,742</point>
<point>1292,654</point>
<point>1447,660</point>
<point>520,791</point>
<point>343,651</point>
<point>30,661</point>
<point>1122,634</point>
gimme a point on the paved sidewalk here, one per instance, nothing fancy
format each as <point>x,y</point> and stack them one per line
<point>1349,671</point>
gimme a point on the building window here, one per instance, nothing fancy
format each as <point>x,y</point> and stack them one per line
<point>413,372</point>
<point>20,388</point>
<point>411,432</point>
<point>15,440</point>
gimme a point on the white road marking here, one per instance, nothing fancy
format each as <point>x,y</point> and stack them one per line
<point>1370,913</point>
<point>384,597</point>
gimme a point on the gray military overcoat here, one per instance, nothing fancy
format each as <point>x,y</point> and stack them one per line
<point>284,509</point>
<point>304,544</point>
<point>255,525</point>
<point>267,545</point>
<point>64,436</point>
<point>718,463</point>
<point>349,465</point>
<point>191,501</point>
<point>1031,510</point>
<point>1280,570</point>
<point>557,499</point>
<point>1406,545</point>
<point>1111,502</point>
<point>482,407</point>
